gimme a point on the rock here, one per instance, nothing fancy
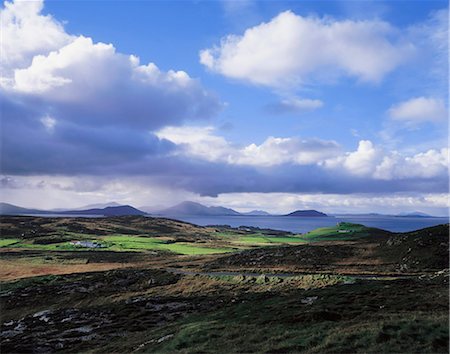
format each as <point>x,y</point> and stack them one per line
<point>309,300</point>
<point>162,339</point>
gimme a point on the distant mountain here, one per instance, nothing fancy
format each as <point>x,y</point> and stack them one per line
<point>256,213</point>
<point>10,209</point>
<point>307,213</point>
<point>89,206</point>
<point>121,210</point>
<point>197,209</point>
<point>414,214</point>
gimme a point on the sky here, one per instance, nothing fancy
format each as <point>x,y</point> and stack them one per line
<point>340,106</point>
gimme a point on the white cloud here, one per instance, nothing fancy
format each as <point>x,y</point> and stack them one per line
<point>278,151</point>
<point>201,142</point>
<point>293,50</point>
<point>418,110</point>
<point>373,162</point>
<point>26,33</point>
<point>86,83</point>
<point>361,162</point>
<point>422,165</point>
<point>368,160</point>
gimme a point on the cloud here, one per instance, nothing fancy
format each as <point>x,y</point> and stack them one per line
<point>375,163</point>
<point>284,51</point>
<point>278,151</point>
<point>92,84</point>
<point>26,33</point>
<point>71,105</point>
<point>281,203</point>
<point>198,142</point>
<point>361,162</point>
<point>75,107</point>
<point>294,105</point>
<point>201,142</point>
<point>419,110</point>
<point>63,191</point>
<point>318,157</point>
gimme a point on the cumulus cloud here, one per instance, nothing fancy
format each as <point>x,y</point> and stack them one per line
<point>373,162</point>
<point>367,161</point>
<point>419,110</point>
<point>284,51</point>
<point>201,142</point>
<point>26,33</point>
<point>361,162</point>
<point>70,104</point>
<point>278,151</point>
<point>91,83</point>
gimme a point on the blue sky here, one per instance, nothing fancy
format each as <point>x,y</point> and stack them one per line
<point>270,104</point>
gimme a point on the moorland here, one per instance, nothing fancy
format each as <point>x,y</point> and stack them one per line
<point>140,284</point>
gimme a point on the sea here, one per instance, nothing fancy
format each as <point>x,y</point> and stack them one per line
<point>305,224</point>
<point>300,224</point>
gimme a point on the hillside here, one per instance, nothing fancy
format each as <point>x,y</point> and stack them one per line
<point>358,249</point>
<point>154,285</point>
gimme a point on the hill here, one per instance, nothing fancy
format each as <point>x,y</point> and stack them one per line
<point>307,213</point>
<point>350,248</point>
<point>197,209</point>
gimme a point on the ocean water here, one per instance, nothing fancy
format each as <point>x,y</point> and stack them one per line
<point>305,224</point>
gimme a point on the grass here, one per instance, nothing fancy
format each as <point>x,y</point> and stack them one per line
<point>5,242</point>
<point>342,231</point>
<point>360,320</point>
<point>152,243</point>
<point>267,239</point>
<point>126,243</point>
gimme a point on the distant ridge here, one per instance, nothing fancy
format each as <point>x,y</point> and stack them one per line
<point>306,213</point>
<point>122,210</point>
<point>10,209</point>
<point>196,209</point>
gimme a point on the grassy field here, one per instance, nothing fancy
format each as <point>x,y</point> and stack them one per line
<point>340,232</point>
<point>8,242</point>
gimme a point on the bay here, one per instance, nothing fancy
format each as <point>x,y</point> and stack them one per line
<point>305,224</point>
